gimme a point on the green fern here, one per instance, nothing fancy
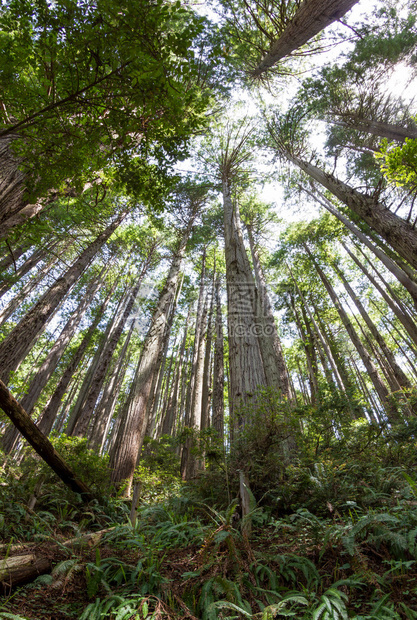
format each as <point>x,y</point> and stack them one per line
<point>331,606</point>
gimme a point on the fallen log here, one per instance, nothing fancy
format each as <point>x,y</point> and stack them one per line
<point>24,568</point>
<point>21,569</point>
<point>41,444</point>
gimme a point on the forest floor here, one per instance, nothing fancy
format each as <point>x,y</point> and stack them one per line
<point>158,571</point>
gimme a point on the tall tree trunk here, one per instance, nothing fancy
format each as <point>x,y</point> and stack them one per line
<point>399,374</point>
<point>270,344</point>
<point>309,349</point>
<point>78,408</point>
<point>399,233</point>
<point>14,348</point>
<point>23,294</point>
<point>376,128</point>
<point>174,400</point>
<point>399,273</point>
<point>27,266</point>
<point>50,363</point>
<point>205,395</point>
<point>105,408</point>
<point>218,372</point>
<point>133,427</point>
<point>48,415</point>
<point>13,255</point>
<point>245,362</point>
<point>377,382</point>
<point>156,392</point>
<point>310,18</point>
<point>81,425</point>
<point>408,324</point>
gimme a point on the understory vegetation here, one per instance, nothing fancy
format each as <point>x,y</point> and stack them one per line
<point>333,535</point>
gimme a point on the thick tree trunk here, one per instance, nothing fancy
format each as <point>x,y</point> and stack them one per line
<point>41,444</point>
<point>14,348</point>
<point>245,361</point>
<point>310,19</point>
<point>270,344</point>
<point>376,128</point>
<point>398,233</point>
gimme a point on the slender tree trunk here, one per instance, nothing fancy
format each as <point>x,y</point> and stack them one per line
<point>376,128</point>
<point>50,363</point>
<point>399,233</point>
<point>399,273</point>
<point>377,382</point>
<point>205,396</point>
<point>12,256</point>
<point>310,353</point>
<point>408,324</point>
<point>133,427</point>
<point>174,400</point>
<point>14,348</point>
<point>48,415</point>
<point>81,425</point>
<point>24,293</point>
<point>399,374</point>
<point>108,400</point>
<point>27,266</point>
<point>218,372</point>
<point>78,408</point>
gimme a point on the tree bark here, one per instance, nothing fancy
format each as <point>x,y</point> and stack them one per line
<point>14,348</point>
<point>398,233</point>
<point>310,19</point>
<point>133,427</point>
<point>41,444</point>
<point>245,361</point>
<point>401,276</point>
<point>218,372</point>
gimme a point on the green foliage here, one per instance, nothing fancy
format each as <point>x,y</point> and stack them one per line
<point>399,163</point>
